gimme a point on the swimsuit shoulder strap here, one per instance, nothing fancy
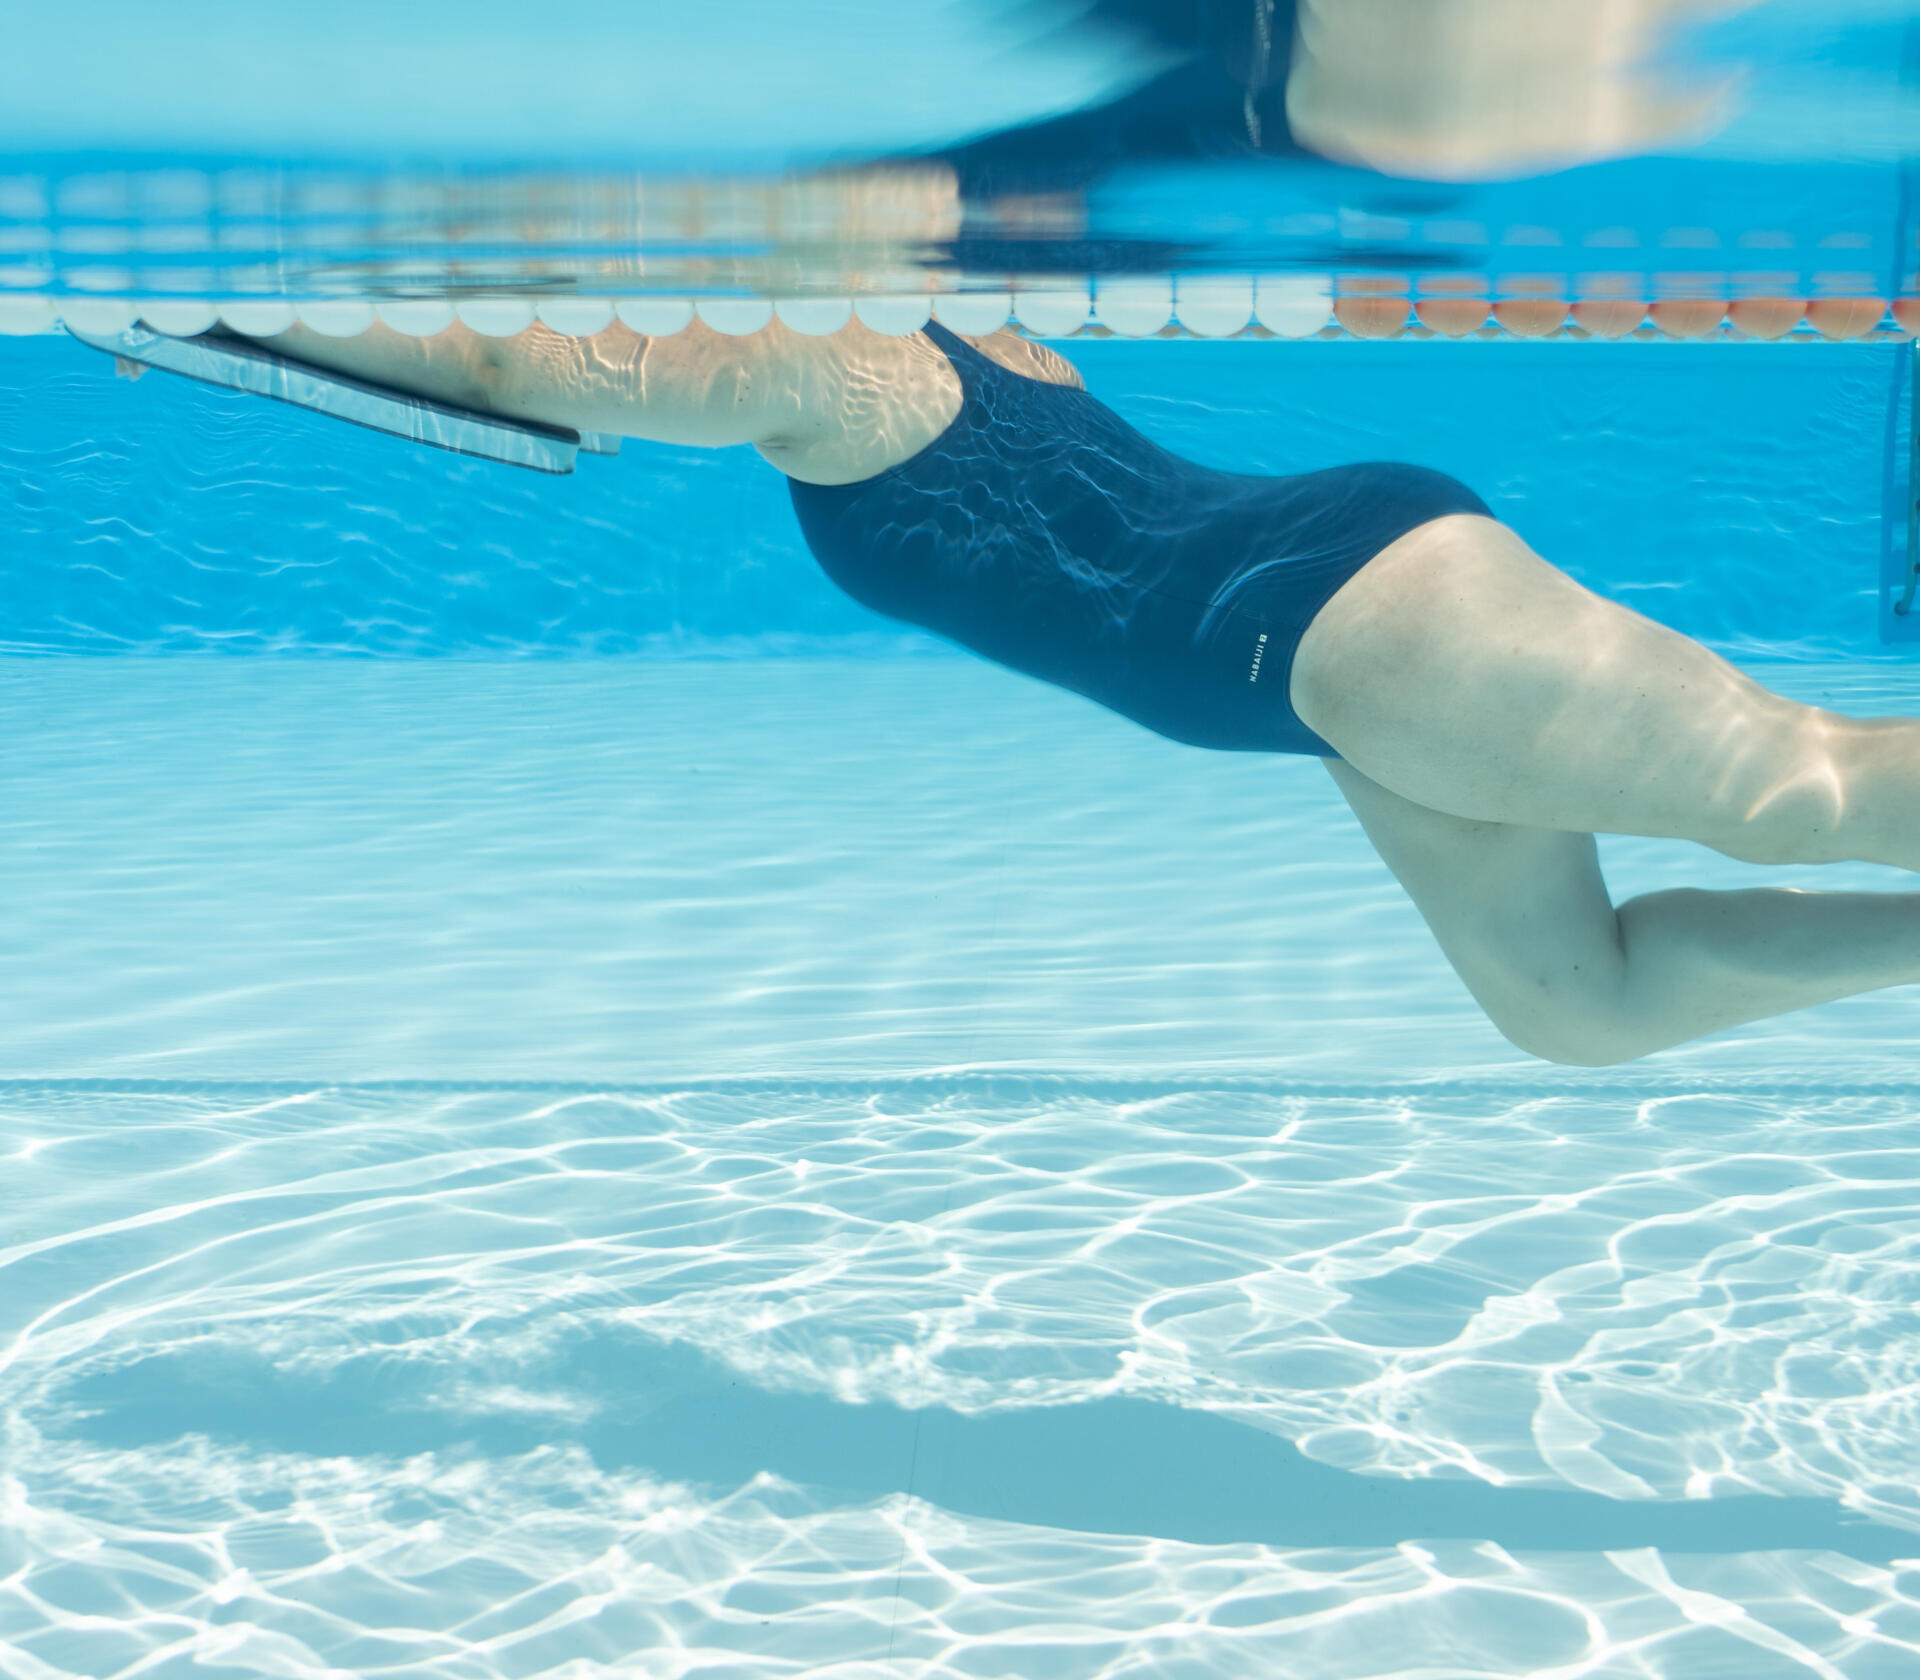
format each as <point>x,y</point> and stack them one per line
<point>986,380</point>
<point>950,343</point>
<point>973,368</point>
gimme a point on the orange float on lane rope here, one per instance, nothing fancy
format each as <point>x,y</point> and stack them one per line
<point>1373,317</point>
<point>1609,317</point>
<point>1845,317</point>
<point>1766,317</point>
<point>1453,316</point>
<point>1530,317</point>
<point>1688,317</point>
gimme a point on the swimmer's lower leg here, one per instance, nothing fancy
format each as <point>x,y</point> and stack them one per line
<point>1698,962</point>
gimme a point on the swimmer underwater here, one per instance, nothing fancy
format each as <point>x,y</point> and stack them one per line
<point>1484,714</point>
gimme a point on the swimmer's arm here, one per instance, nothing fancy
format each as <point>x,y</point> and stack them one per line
<point>829,409</point>
<point>823,403</point>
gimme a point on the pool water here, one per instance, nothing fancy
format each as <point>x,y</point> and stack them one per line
<point>572,1103</point>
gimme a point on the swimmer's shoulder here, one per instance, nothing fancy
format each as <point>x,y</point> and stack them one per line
<point>864,402</point>
<point>1028,359</point>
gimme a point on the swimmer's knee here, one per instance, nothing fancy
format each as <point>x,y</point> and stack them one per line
<point>1590,1026</point>
<point>1568,1041</point>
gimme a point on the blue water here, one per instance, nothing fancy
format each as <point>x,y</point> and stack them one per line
<point>572,1103</point>
<point>1739,492</point>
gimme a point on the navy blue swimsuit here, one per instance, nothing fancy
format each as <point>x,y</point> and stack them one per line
<point>1043,531</point>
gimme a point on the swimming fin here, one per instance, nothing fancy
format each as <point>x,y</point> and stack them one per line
<point>245,364</point>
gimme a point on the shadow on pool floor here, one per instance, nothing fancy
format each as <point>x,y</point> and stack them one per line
<point>1116,1466</point>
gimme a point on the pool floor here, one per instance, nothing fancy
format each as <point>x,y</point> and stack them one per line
<point>860,1168</point>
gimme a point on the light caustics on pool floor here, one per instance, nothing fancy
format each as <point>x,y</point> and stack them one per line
<point>817,1379</point>
<point>439,1283</point>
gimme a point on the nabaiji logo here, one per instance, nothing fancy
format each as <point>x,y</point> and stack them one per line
<point>1259,653</point>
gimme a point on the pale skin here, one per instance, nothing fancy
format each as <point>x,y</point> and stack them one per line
<point>1463,90</point>
<point>1491,714</point>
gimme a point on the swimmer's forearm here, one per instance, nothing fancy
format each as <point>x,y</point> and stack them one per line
<point>696,388</point>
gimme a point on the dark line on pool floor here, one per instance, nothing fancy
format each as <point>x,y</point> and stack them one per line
<point>1113,1466</point>
<point>990,1084</point>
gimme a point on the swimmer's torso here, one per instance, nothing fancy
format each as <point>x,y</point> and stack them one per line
<point>1041,530</point>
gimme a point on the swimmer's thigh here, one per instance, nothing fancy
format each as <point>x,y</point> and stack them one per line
<point>1467,674</point>
<point>1522,914</point>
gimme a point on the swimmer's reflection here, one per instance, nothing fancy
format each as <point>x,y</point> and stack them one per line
<point>1484,714</point>
<point>1437,90</point>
